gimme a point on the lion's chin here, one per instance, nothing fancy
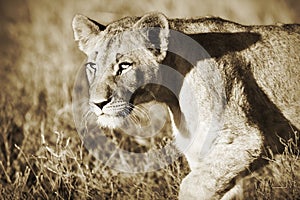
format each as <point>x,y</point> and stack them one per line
<point>110,121</point>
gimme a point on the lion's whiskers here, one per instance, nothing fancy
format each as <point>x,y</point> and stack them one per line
<point>139,109</point>
<point>132,117</point>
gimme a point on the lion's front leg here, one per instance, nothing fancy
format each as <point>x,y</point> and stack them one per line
<point>215,174</point>
<point>201,185</point>
<point>209,182</point>
<point>198,185</point>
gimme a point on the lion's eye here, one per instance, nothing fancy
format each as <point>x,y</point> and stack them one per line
<point>91,65</point>
<point>124,67</point>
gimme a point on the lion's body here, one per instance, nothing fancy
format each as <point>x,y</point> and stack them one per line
<point>256,86</point>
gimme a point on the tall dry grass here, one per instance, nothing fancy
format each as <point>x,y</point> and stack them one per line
<point>41,155</point>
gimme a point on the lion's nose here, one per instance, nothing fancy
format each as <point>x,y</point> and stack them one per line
<point>103,103</point>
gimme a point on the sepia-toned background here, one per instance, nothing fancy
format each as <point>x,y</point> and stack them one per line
<point>41,155</point>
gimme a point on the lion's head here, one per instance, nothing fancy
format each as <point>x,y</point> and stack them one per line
<point>121,59</point>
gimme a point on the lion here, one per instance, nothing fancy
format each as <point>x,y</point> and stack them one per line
<point>243,91</point>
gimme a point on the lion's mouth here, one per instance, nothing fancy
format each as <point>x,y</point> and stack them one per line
<point>120,112</point>
<point>117,109</point>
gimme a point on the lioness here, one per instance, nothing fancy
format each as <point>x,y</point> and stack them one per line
<point>246,92</point>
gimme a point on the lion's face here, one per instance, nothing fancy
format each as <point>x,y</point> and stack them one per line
<point>116,69</point>
<point>120,61</point>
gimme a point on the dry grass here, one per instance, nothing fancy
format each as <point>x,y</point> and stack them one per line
<point>280,179</point>
<point>41,154</point>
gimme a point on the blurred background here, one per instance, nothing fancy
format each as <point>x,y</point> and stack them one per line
<point>38,64</point>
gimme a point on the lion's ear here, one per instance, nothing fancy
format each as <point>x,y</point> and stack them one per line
<point>155,26</point>
<point>85,30</point>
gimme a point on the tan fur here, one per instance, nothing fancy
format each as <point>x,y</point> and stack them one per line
<point>258,68</point>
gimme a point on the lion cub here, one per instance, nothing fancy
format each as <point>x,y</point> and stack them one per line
<point>231,90</point>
